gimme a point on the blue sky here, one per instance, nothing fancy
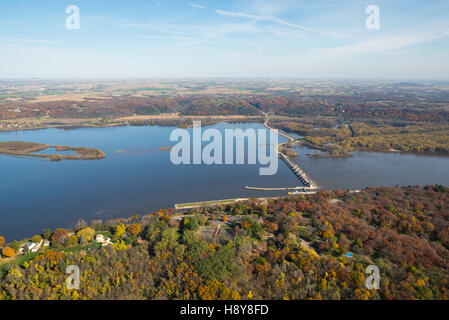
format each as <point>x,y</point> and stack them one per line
<point>241,38</point>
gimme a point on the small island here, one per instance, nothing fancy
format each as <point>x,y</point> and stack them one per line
<point>30,149</point>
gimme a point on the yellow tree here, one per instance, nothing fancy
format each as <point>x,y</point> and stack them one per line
<point>120,230</point>
<point>87,233</point>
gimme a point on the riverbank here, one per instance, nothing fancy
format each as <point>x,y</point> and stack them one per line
<point>163,119</point>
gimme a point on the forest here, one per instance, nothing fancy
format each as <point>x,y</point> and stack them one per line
<point>314,246</point>
<point>385,118</point>
<point>337,135</point>
<point>421,103</point>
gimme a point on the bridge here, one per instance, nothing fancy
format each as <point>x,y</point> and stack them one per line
<point>304,189</point>
<point>302,176</point>
<point>309,184</point>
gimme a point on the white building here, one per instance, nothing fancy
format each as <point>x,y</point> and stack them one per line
<point>104,242</point>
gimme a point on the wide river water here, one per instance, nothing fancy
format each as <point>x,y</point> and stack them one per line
<point>138,178</point>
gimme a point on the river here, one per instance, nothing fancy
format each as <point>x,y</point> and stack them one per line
<point>138,178</point>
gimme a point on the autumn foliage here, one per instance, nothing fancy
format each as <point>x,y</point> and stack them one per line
<point>287,248</point>
<point>8,252</point>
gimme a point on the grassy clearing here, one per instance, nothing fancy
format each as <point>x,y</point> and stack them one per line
<point>20,259</point>
<point>205,203</point>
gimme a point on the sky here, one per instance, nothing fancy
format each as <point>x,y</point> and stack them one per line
<point>226,38</point>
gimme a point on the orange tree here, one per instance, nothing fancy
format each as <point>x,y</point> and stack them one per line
<point>8,252</point>
<point>134,229</point>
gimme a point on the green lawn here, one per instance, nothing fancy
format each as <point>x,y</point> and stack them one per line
<point>20,259</point>
<point>194,204</point>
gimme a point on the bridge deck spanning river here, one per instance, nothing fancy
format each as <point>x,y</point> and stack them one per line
<point>308,184</point>
<point>302,176</point>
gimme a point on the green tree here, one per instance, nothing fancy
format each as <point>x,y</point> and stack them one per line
<point>149,230</point>
<point>15,245</point>
<point>219,265</point>
<point>256,229</point>
<point>132,239</point>
<point>190,224</point>
<point>47,234</point>
<point>189,237</point>
<point>36,239</point>
<point>263,210</point>
<point>169,242</point>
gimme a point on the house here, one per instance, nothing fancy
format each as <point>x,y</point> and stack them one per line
<point>104,242</point>
<point>28,245</point>
<point>37,246</point>
<point>33,247</point>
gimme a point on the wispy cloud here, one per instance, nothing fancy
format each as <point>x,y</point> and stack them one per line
<point>195,5</point>
<point>267,7</point>
<point>272,19</point>
<point>166,38</point>
<point>37,41</point>
<point>165,28</point>
<point>388,43</point>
